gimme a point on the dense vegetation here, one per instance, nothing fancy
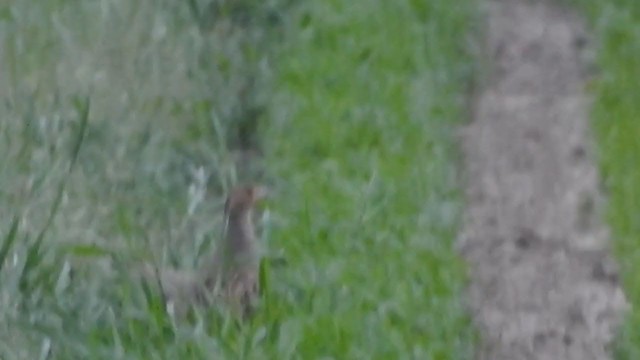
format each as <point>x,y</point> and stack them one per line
<point>124,123</point>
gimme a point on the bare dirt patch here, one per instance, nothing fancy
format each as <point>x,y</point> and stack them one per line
<point>543,285</point>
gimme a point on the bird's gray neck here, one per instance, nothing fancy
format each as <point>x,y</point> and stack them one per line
<point>240,239</point>
<point>240,236</point>
<point>237,250</point>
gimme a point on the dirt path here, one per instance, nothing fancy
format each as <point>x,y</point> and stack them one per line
<point>543,285</point>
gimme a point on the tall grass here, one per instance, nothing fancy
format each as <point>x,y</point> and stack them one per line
<point>353,105</point>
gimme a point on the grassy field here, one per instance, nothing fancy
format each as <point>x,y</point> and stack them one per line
<point>118,116</point>
<point>617,126</point>
<point>361,138</point>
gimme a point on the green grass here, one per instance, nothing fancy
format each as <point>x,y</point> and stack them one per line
<point>361,101</point>
<point>617,127</point>
<point>362,140</point>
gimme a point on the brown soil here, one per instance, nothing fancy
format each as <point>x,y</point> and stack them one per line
<point>543,285</point>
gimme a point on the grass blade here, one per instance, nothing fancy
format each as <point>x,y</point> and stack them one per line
<point>84,121</point>
<point>34,254</point>
<point>9,240</point>
<point>88,250</point>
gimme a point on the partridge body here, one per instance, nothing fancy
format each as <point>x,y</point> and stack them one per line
<point>231,274</point>
<point>233,271</point>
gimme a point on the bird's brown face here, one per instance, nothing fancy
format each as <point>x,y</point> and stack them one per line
<point>244,198</point>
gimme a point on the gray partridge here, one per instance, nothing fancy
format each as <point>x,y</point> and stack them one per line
<point>232,273</point>
<point>234,268</point>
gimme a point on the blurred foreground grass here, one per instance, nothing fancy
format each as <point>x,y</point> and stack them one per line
<point>616,119</point>
<point>355,120</point>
